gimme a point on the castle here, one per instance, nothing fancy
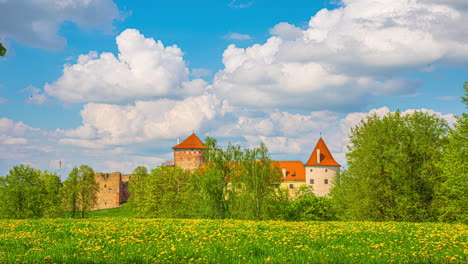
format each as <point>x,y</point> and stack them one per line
<point>318,172</point>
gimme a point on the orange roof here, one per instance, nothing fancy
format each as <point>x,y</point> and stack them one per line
<point>192,142</point>
<point>326,158</point>
<point>295,170</point>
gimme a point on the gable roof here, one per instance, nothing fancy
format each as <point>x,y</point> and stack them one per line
<point>295,170</point>
<point>326,158</point>
<point>192,142</point>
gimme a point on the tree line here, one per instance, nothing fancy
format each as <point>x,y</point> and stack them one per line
<point>26,192</point>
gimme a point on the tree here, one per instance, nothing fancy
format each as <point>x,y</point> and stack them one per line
<point>2,50</point>
<point>309,207</point>
<point>392,168</point>
<point>79,192</point>
<point>451,197</point>
<point>256,183</point>
<point>164,194</point>
<point>70,193</point>
<point>237,183</point>
<point>51,194</point>
<point>212,181</point>
<point>26,193</point>
<point>137,182</point>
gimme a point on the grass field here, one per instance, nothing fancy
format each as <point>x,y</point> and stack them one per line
<point>124,210</point>
<point>130,240</point>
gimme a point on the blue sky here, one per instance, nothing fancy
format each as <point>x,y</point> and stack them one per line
<point>112,84</point>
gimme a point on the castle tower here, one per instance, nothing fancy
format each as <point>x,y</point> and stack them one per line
<point>321,168</point>
<point>189,154</point>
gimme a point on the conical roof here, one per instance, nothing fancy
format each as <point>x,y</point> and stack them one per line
<point>192,142</point>
<point>326,158</point>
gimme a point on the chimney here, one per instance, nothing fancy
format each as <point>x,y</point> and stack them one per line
<point>178,140</point>
<point>318,156</point>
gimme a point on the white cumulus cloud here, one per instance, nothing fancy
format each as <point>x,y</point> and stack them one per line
<point>144,68</point>
<point>346,56</point>
<point>36,22</point>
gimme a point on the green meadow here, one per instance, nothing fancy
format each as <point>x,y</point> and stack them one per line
<point>131,240</point>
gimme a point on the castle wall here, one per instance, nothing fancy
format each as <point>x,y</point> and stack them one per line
<point>292,186</point>
<point>320,178</point>
<point>125,194</point>
<point>189,159</point>
<point>110,189</point>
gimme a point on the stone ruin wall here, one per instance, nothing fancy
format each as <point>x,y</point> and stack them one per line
<point>108,195</point>
<point>188,159</point>
<point>113,189</point>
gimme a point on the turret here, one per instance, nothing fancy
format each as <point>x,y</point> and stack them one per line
<point>321,168</point>
<point>189,154</point>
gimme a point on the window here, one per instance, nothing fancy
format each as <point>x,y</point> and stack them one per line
<point>326,181</point>
<point>326,170</point>
<point>311,181</point>
<point>291,186</point>
<point>310,170</point>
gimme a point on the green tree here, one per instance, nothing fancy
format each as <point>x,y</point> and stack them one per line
<point>256,183</point>
<point>52,186</point>
<point>392,168</point>
<point>309,207</point>
<point>237,183</point>
<point>70,193</point>
<point>2,50</point>
<point>451,198</point>
<point>79,192</point>
<point>213,189</point>
<point>87,189</point>
<point>164,194</point>
<point>137,182</point>
<point>26,192</point>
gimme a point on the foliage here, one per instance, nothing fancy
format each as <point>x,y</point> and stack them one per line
<point>26,192</point>
<point>451,196</point>
<point>79,191</point>
<point>309,207</point>
<point>126,240</point>
<point>2,50</point>
<point>137,182</point>
<point>392,168</point>
<point>51,206</point>
<point>70,193</point>
<point>237,183</point>
<point>164,194</point>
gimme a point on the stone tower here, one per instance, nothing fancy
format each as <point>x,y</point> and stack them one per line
<point>321,168</point>
<point>189,154</point>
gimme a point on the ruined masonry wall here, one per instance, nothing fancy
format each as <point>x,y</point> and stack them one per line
<point>110,188</point>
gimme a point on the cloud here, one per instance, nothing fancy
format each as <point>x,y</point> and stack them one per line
<point>144,68</point>
<point>40,20</point>
<point>3,100</point>
<point>240,3</point>
<point>200,72</point>
<point>107,124</point>
<point>286,31</point>
<point>36,96</point>
<point>447,98</point>
<point>346,56</point>
<point>238,36</point>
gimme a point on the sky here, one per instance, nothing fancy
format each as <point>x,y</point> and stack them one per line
<point>114,83</point>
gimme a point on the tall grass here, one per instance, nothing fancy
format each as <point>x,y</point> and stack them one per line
<point>129,240</point>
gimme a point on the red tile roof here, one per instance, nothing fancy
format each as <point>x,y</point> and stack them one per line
<point>295,170</point>
<point>192,142</point>
<point>326,158</point>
